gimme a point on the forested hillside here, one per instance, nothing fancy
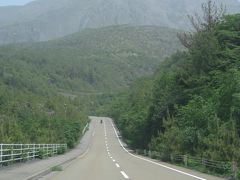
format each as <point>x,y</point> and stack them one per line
<point>191,105</point>
<point>33,78</point>
<point>101,60</point>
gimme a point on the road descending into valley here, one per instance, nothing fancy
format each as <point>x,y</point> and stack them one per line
<point>108,159</point>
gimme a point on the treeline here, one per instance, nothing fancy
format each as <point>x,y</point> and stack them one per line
<point>95,60</point>
<point>192,104</point>
<point>38,80</point>
<point>41,84</point>
<point>30,118</point>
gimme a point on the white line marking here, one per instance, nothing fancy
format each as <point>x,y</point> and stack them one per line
<point>124,175</point>
<point>84,154</point>
<point>114,160</point>
<point>117,165</point>
<point>147,160</point>
<point>111,157</point>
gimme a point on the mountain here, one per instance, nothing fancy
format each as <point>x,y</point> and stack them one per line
<point>102,60</point>
<point>37,80</point>
<point>191,105</point>
<point>43,20</point>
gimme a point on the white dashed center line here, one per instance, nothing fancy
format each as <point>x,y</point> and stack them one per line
<point>117,165</point>
<point>108,151</point>
<point>124,175</point>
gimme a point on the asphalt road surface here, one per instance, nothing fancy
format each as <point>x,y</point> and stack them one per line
<point>108,159</point>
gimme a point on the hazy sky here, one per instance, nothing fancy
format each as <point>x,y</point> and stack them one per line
<point>13,2</point>
<point>18,2</point>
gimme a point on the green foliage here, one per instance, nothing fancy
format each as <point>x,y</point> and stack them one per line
<point>24,156</point>
<point>193,104</point>
<point>42,154</point>
<point>47,88</point>
<point>43,86</point>
<point>93,60</point>
<point>61,150</point>
<point>56,168</point>
<point>132,115</point>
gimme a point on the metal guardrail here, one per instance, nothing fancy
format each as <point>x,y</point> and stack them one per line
<point>229,168</point>
<point>85,128</point>
<point>23,152</point>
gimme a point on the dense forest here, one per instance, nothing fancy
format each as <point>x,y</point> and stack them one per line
<point>103,60</point>
<point>191,104</point>
<point>48,89</point>
<point>30,118</point>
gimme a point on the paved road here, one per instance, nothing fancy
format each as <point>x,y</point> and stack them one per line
<point>107,159</point>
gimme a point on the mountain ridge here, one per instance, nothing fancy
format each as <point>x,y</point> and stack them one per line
<point>43,20</point>
<point>108,58</point>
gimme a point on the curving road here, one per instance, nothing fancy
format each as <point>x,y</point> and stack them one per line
<point>107,159</point>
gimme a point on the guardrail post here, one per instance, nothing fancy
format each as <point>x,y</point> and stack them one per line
<point>47,149</point>
<point>37,150</point>
<point>145,152</point>
<point>185,160</point>
<point>21,152</point>
<point>12,159</point>
<point>234,170</point>
<point>34,151</point>
<point>28,152</point>
<point>203,162</point>
<point>52,149</point>
<point>149,153</point>
<point>1,153</point>
<point>171,157</point>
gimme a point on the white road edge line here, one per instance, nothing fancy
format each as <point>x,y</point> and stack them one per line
<point>147,160</point>
<point>124,175</point>
<point>84,154</point>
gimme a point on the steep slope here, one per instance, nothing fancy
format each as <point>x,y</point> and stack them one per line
<point>105,59</point>
<point>48,19</point>
<point>191,105</point>
<point>96,60</point>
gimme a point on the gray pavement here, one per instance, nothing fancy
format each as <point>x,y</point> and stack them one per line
<point>30,170</point>
<point>108,159</point>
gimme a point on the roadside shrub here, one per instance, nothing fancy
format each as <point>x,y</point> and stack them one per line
<point>61,150</point>
<point>42,154</point>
